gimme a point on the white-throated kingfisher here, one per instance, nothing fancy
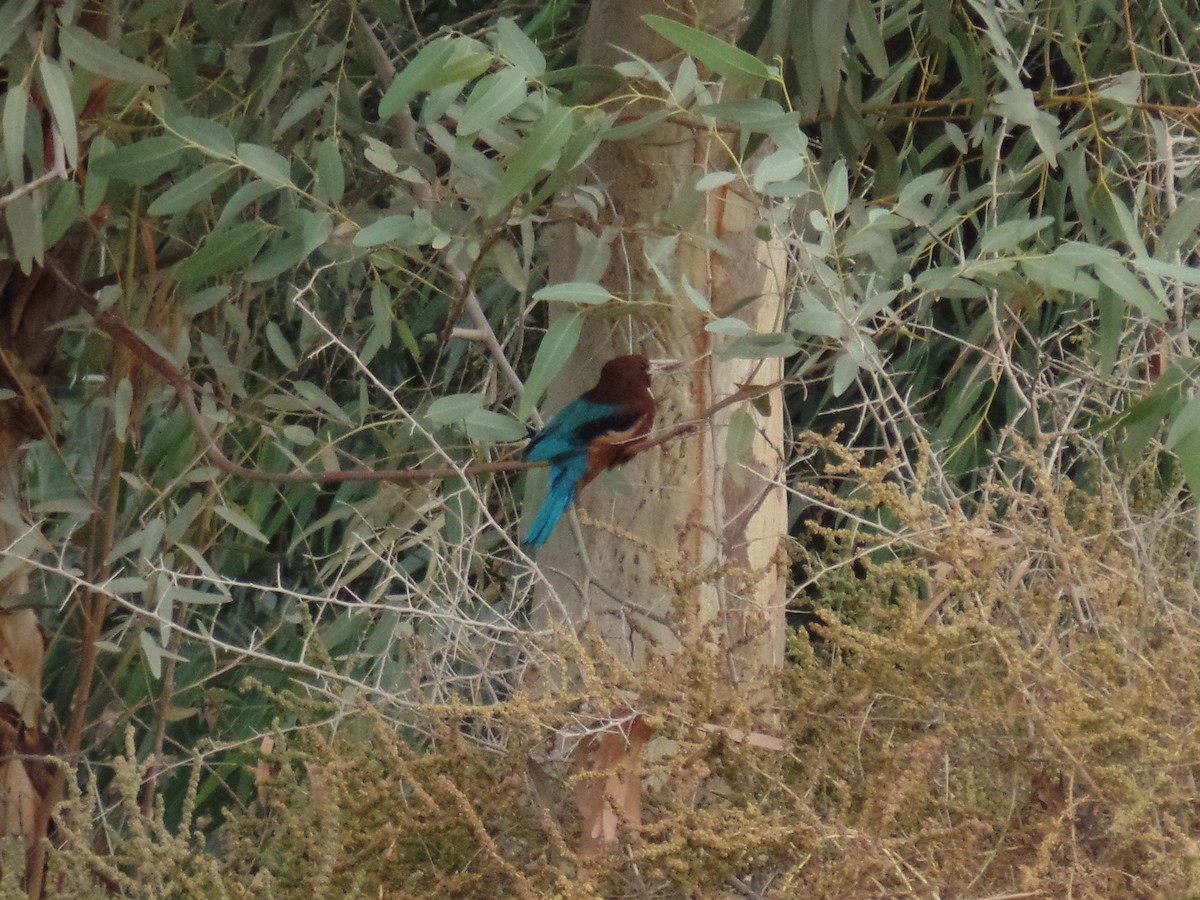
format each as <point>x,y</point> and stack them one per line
<point>597,431</point>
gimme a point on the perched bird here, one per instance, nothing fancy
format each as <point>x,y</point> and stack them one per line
<point>595,432</point>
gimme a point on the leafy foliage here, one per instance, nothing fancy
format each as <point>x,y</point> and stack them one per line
<point>991,210</point>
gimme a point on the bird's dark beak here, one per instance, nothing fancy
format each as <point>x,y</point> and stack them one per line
<point>664,365</point>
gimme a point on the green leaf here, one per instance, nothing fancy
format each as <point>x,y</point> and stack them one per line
<point>845,370</point>
<point>248,193</point>
<point>16,107</point>
<point>1118,218</point>
<point>331,175</point>
<point>493,98</point>
<point>1185,423</point>
<point>63,212</point>
<point>1020,106</point>
<point>453,408</point>
<point>89,52</point>
<point>319,399</point>
<point>868,35</point>
<point>181,594</point>
<point>139,163</point>
<point>283,252</point>
<point>96,187</point>
<point>316,228</point>
<point>837,188</point>
<point>408,339</point>
<point>1125,89</point>
<point>722,57</point>
<point>731,326</point>
<point>300,435</point>
<point>487,426</point>
<point>211,137</point>
<point>13,14</point>
<point>202,301</point>
<point>1058,273</point>
<point>152,652</point>
<point>58,96</point>
<point>738,441</point>
<point>768,345</point>
<point>816,318</point>
<point>304,104</point>
<point>1181,227</point>
<point>224,251</point>
<point>518,49</point>
<point>757,114</point>
<point>399,230</point>
<point>538,150</point>
<point>1188,453</point>
<point>23,217</point>
<point>554,352</point>
<point>122,403</point>
<point>195,188</point>
<point>714,180</point>
<point>266,164</point>
<point>937,19</point>
<point>229,375</point>
<point>639,125</point>
<point>241,522</point>
<point>462,68</point>
<point>1113,273</point>
<point>281,347</point>
<point>381,322</point>
<point>828,42</point>
<point>415,77</point>
<point>782,165</point>
<point>574,292</point>
<point>699,300</point>
<point>1108,336</point>
<point>1009,235</point>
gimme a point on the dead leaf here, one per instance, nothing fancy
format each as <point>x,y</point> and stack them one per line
<point>752,738</point>
<point>609,786</point>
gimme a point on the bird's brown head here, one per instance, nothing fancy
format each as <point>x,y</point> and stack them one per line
<point>626,373</point>
<point>625,378</point>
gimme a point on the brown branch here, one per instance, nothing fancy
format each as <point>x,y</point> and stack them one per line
<point>745,392</point>
<point>460,302</point>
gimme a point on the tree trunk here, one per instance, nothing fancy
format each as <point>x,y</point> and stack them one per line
<point>688,557</point>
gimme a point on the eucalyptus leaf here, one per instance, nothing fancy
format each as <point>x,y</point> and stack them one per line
<point>224,251</point>
<point>722,57</point>
<point>537,151</point>
<point>89,52</point>
<point>574,292</point>
<point>553,353</point>
<point>140,162</point>
<point>57,90</point>
<point>194,189</point>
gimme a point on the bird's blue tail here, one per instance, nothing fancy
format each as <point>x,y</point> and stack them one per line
<point>564,479</point>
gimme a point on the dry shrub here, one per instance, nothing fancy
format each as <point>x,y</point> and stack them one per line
<point>1023,723</point>
<point>999,702</point>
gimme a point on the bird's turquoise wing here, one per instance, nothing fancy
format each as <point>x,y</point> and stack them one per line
<point>578,424</point>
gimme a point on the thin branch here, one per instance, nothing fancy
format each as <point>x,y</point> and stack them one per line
<point>55,174</point>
